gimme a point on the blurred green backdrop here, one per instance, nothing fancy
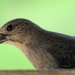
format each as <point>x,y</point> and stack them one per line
<point>53,15</point>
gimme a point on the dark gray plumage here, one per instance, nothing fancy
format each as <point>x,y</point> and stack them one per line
<point>44,49</point>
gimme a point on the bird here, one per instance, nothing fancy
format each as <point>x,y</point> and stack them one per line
<point>44,49</point>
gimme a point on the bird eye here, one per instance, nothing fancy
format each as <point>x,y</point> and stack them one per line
<point>9,27</point>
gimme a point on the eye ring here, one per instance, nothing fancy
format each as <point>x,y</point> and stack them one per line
<point>9,27</point>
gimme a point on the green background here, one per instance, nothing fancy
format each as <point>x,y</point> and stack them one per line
<point>53,15</point>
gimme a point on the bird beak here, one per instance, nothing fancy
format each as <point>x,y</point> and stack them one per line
<point>2,38</point>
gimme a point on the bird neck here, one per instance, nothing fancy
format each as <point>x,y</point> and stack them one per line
<point>40,59</point>
<point>36,52</point>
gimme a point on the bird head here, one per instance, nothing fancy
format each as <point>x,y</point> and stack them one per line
<point>16,31</point>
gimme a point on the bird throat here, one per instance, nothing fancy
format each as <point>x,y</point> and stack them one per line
<point>39,59</point>
<point>16,44</point>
